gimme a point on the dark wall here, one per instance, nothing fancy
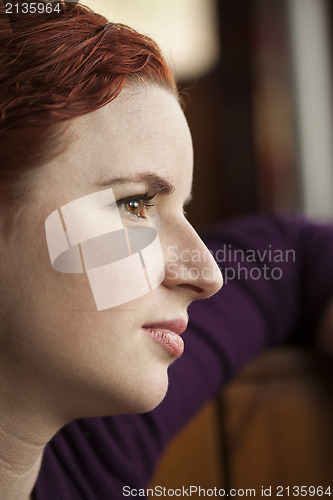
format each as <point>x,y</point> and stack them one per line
<point>219,112</point>
<point>242,118</point>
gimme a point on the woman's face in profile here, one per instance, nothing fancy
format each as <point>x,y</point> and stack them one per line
<point>74,359</point>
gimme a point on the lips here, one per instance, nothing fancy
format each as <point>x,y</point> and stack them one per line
<point>167,334</point>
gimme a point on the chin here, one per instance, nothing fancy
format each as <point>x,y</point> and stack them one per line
<point>148,404</point>
<point>139,397</point>
<point>147,398</point>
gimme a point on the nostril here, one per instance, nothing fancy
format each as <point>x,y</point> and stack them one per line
<point>193,288</point>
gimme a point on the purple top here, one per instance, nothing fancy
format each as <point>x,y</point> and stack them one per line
<point>278,281</point>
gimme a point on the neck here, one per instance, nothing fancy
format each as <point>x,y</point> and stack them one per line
<point>30,415</point>
<point>20,460</point>
<point>23,437</point>
<point>17,482</point>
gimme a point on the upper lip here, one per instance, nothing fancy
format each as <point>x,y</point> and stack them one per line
<point>177,325</point>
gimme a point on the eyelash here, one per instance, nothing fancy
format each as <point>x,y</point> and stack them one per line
<point>144,199</point>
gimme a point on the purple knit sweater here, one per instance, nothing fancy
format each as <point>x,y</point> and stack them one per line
<point>93,459</point>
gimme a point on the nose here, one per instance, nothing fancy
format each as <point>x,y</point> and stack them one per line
<point>189,264</point>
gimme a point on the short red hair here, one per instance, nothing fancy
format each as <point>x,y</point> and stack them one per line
<point>54,67</point>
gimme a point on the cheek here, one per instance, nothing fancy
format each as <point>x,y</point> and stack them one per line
<point>102,359</point>
<point>87,236</point>
<point>34,294</point>
<point>56,293</point>
<point>56,335</point>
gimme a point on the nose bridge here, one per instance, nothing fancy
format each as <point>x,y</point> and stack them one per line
<point>190,262</point>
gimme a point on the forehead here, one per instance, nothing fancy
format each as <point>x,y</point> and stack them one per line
<point>144,128</point>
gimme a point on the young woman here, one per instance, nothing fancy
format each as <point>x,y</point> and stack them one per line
<point>91,132</point>
<point>87,106</point>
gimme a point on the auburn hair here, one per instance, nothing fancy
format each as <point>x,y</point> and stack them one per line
<point>55,67</point>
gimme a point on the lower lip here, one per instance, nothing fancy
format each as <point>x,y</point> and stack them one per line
<point>169,340</point>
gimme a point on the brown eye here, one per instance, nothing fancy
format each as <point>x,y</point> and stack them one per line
<point>137,205</point>
<point>133,207</point>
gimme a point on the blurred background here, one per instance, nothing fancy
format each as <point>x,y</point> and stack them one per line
<point>258,79</point>
<point>257,74</point>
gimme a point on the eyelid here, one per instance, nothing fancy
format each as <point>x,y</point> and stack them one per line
<point>139,196</point>
<point>147,196</point>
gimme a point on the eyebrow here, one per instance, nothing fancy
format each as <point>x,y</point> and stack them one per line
<point>154,182</point>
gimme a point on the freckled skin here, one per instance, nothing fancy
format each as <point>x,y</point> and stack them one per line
<point>60,357</point>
